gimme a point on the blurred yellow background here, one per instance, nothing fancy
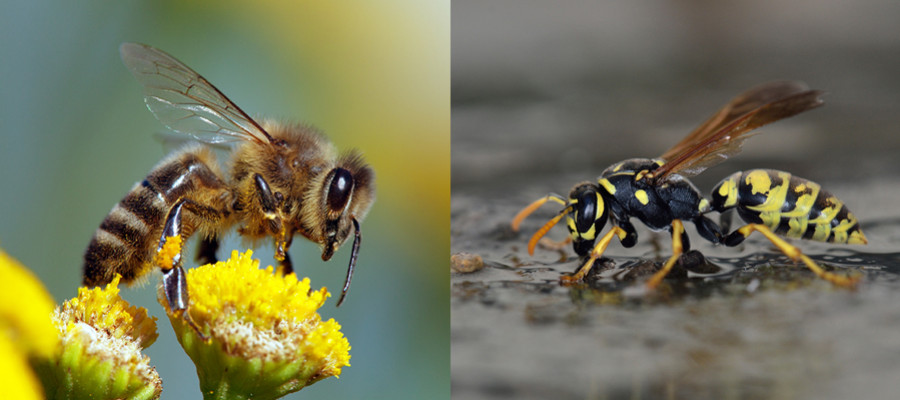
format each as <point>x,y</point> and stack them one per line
<point>374,75</point>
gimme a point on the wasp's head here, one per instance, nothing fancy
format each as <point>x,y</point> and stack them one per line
<point>587,216</point>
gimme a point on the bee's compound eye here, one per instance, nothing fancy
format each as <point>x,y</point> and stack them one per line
<point>339,189</point>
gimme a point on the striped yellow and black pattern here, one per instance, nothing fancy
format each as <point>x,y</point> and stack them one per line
<point>126,241</point>
<point>790,206</point>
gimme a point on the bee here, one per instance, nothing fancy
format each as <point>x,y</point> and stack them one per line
<point>283,180</point>
<point>658,193</point>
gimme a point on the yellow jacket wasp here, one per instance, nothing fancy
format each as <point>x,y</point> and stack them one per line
<point>658,193</point>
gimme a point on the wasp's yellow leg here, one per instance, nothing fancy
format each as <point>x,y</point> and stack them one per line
<point>554,244</point>
<point>677,249</point>
<point>517,220</point>
<point>544,229</point>
<point>795,254</point>
<point>596,253</point>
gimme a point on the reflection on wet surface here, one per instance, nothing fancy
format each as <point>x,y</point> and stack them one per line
<point>740,322</point>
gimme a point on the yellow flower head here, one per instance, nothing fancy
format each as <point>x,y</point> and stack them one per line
<point>266,336</point>
<point>104,310</point>
<point>100,353</point>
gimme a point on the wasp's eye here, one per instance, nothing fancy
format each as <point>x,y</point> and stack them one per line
<point>339,189</point>
<point>586,212</point>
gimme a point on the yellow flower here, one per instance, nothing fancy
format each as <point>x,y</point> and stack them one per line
<point>25,329</point>
<point>106,311</point>
<point>16,377</point>
<point>266,338</point>
<point>99,356</point>
<point>25,307</point>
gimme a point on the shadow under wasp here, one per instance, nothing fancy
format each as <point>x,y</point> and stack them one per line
<point>658,193</point>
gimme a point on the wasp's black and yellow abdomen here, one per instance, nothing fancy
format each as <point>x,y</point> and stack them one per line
<point>788,205</point>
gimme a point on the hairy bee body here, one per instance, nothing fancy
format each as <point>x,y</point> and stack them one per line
<point>282,180</point>
<point>790,206</point>
<point>296,167</point>
<point>125,243</point>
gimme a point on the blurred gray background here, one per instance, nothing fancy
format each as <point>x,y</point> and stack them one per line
<point>544,87</point>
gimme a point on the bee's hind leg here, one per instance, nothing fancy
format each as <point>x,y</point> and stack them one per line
<point>168,258</point>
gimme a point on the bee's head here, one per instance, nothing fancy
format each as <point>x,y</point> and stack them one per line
<point>298,184</point>
<point>587,216</point>
<point>330,193</point>
<point>345,195</point>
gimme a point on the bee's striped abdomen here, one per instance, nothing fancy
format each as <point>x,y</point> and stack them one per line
<point>123,242</point>
<point>126,241</point>
<point>790,206</point>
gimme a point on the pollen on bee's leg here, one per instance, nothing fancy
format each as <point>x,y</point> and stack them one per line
<point>169,255</point>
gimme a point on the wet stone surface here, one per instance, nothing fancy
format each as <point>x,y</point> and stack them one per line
<point>740,322</point>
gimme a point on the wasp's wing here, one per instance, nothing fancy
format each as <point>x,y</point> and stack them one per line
<point>185,101</point>
<point>721,135</point>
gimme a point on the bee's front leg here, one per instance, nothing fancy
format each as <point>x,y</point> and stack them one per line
<point>271,203</point>
<point>287,267</point>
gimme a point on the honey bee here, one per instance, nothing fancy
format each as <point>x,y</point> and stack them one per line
<point>283,180</point>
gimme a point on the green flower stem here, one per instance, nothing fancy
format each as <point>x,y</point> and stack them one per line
<point>227,377</point>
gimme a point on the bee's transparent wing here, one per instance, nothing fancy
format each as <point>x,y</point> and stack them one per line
<point>186,102</point>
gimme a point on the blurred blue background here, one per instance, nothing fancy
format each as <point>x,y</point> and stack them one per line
<point>375,76</point>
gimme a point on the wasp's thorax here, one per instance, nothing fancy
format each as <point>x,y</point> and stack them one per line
<point>587,216</point>
<point>299,184</point>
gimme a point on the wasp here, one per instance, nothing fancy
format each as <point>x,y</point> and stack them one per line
<point>283,180</point>
<point>657,192</point>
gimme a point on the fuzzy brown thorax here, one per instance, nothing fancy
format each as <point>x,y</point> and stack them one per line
<point>300,168</point>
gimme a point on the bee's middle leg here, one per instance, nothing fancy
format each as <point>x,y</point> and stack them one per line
<point>206,250</point>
